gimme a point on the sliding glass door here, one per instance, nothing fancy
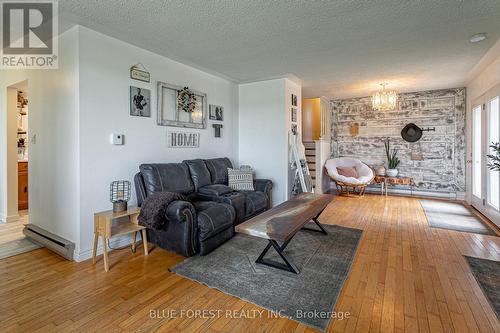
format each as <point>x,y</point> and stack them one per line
<point>493,177</point>
<point>477,154</point>
<point>485,131</point>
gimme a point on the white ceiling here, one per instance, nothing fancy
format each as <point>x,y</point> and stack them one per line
<point>337,48</point>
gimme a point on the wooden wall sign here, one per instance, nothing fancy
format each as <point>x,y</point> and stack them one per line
<point>139,74</point>
<point>183,139</point>
<point>354,129</point>
<point>217,129</point>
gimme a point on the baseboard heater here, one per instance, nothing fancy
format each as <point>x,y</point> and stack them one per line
<point>52,242</point>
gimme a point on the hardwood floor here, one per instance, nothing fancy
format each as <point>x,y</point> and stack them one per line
<point>406,277</point>
<point>13,231</point>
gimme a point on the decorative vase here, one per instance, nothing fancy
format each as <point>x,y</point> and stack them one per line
<point>380,171</point>
<point>392,172</point>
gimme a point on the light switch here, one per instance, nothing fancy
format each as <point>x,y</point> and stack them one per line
<point>116,139</point>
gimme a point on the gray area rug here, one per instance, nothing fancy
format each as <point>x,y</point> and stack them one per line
<point>309,297</point>
<point>487,274</point>
<point>454,216</point>
<point>17,247</point>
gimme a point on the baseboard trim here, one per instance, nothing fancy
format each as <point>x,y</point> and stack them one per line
<point>10,218</point>
<point>419,193</point>
<point>116,243</point>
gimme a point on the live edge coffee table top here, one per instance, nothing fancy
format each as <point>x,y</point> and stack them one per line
<point>283,221</point>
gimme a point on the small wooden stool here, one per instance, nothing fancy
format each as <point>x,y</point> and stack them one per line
<point>103,226</point>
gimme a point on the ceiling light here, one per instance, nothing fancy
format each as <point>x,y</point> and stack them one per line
<point>477,38</point>
<point>384,100</point>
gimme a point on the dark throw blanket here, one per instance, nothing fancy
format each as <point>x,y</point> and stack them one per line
<point>153,213</point>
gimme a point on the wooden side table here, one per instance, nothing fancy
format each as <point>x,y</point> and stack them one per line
<point>104,227</point>
<point>384,181</point>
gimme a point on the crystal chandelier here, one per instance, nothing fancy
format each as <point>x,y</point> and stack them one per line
<point>384,100</point>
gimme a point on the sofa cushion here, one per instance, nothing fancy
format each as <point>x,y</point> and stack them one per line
<point>202,205</point>
<point>255,202</point>
<point>199,173</point>
<point>215,190</point>
<point>218,169</point>
<point>161,177</point>
<point>215,219</point>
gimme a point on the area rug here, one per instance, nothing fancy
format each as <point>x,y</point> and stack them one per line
<point>487,274</point>
<point>18,246</point>
<point>454,216</point>
<point>309,297</point>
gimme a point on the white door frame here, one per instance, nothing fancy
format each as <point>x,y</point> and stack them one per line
<point>482,204</point>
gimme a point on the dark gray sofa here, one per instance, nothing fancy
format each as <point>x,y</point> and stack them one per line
<point>207,220</point>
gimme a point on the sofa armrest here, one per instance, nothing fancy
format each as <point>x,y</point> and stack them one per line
<point>140,189</point>
<point>180,234</point>
<point>266,186</point>
<point>180,211</point>
<point>262,185</point>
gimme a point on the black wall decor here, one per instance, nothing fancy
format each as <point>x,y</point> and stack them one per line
<point>217,128</point>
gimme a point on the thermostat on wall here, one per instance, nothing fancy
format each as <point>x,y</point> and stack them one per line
<point>116,139</point>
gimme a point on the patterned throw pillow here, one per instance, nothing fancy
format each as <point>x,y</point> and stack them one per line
<point>240,180</point>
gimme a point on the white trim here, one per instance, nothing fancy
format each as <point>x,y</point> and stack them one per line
<point>9,219</point>
<point>419,193</point>
<point>87,254</point>
<point>481,204</point>
<point>289,76</point>
<point>491,55</point>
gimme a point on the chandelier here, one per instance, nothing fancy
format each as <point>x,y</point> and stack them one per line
<point>384,100</point>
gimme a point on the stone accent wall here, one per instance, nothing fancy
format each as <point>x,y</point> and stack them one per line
<point>436,162</point>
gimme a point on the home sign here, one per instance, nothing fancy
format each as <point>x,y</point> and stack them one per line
<point>183,139</point>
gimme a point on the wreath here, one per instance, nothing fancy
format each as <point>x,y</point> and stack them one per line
<point>186,100</point>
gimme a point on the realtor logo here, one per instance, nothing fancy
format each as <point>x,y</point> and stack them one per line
<point>29,34</point>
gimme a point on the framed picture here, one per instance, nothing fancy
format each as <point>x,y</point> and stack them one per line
<point>294,100</point>
<point>294,115</point>
<point>216,112</point>
<point>170,114</point>
<point>140,102</point>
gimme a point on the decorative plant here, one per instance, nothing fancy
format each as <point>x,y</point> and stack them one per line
<point>494,163</point>
<point>186,100</point>
<point>392,155</point>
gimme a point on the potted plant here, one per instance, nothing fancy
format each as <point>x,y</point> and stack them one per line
<point>392,159</point>
<point>494,163</point>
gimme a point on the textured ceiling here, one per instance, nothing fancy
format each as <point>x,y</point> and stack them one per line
<point>337,48</point>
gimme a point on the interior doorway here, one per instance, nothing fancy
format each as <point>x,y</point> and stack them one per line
<point>12,239</point>
<point>485,131</point>
<point>316,126</point>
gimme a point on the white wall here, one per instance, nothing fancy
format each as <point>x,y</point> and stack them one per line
<point>264,112</point>
<point>485,76</point>
<point>11,212</point>
<point>296,89</point>
<point>53,160</point>
<point>104,109</point>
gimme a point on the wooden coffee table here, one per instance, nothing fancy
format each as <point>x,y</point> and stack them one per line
<point>281,223</point>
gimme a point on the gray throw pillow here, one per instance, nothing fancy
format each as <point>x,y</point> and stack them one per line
<point>240,180</point>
